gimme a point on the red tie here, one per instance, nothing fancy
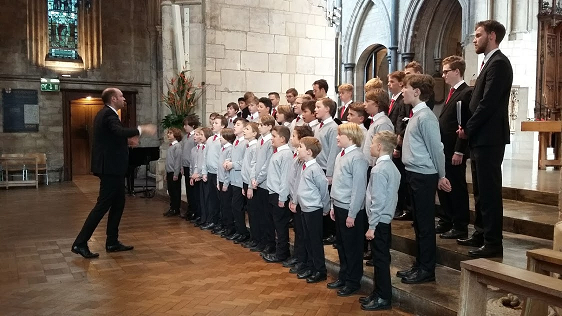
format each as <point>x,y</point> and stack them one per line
<point>342,111</point>
<point>203,147</point>
<point>188,136</point>
<point>321,124</point>
<point>236,143</point>
<point>295,155</point>
<point>411,113</point>
<point>215,138</point>
<point>450,94</point>
<point>275,151</point>
<point>391,105</point>
<point>247,146</point>
<point>342,153</point>
<point>261,144</point>
<point>481,65</point>
<point>230,120</point>
<point>223,149</point>
<point>298,118</point>
<point>303,167</point>
<point>273,112</point>
<point>198,146</point>
<point>170,144</point>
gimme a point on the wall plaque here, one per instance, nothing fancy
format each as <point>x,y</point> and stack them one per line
<point>20,110</point>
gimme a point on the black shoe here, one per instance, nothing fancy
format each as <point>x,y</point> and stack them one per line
<point>268,250</point>
<point>84,252</point>
<point>367,299</point>
<point>454,234</point>
<point>208,226</point>
<point>329,240</point>
<point>487,251</point>
<point>369,263</point>
<point>442,228</point>
<point>337,284</point>
<point>257,248</point>
<point>317,277</point>
<point>473,241</point>
<point>367,255</point>
<point>297,268</point>
<point>377,304</point>
<point>420,276</point>
<point>250,244</point>
<point>171,213</point>
<point>228,233</point>
<point>405,216</point>
<point>195,219</point>
<point>271,258</point>
<point>233,236</point>
<point>197,223</point>
<point>305,274</point>
<point>242,239</point>
<point>405,273</point>
<point>118,247</point>
<point>347,291</point>
<point>290,262</point>
<point>190,216</point>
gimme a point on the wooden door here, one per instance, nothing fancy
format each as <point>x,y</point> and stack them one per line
<point>82,114</point>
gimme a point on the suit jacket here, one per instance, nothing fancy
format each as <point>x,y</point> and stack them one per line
<point>489,124</point>
<point>393,114</point>
<point>110,153</point>
<point>245,112</point>
<point>344,116</point>
<point>448,123</point>
<point>402,111</point>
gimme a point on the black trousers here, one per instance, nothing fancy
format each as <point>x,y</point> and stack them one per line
<point>213,204</point>
<point>487,188</point>
<point>422,190</point>
<point>174,190</point>
<point>238,205</point>
<point>111,199</point>
<point>227,217</point>
<point>299,248</point>
<point>265,217</point>
<point>204,200</point>
<point>404,198</point>
<point>312,227</point>
<point>454,204</point>
<point>188,189</point>
<point>381,261</point>
<point>280,217</point>
<point>349,243</point>
<point>195,198</point>
<point>328,225</point>
<point>253,218</point>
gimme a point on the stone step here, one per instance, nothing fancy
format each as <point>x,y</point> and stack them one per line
<point>526,195</point>
<point>450,254</point>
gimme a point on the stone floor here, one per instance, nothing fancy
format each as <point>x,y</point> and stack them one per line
<point>175,269</point>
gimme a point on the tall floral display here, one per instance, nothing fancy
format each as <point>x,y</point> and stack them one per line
<point>181,99</point>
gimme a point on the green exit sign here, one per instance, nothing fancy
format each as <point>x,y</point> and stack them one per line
<point>50,84</point>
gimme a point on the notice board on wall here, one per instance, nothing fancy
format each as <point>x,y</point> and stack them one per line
<point>20,110</point>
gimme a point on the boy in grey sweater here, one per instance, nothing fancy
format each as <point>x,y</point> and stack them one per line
<point>381,200</point>
<point>424,160</point>
<point>190,123</point>
<point>348,199</point>
<point>223,185</point>
<point>173,171</point>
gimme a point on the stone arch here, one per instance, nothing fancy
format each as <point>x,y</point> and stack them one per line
<point>359,69</point>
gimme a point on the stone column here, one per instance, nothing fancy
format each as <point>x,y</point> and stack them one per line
<point>348,69</point>
<point>437,65</point>
<point>406,58</point>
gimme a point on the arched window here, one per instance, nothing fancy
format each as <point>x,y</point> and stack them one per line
<point>376,64</point>
<point>62,21</point>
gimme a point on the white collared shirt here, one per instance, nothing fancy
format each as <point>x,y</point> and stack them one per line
<point>328,120</point>
<point>378,115</point>
<point>458,84</point>
<point>418,107</point>
<point>226,145</point>
<point>174,142</point>
<point>310,163</point>
<point>266,137</point>
<point>253,142</point>
<point>284,147</point>
<point>313,123</point>
<point>396,96</point>
<point>349,149</point>
<point>114,110</point>
<point>381,158</point>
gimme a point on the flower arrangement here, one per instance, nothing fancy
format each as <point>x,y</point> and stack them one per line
<point>181,99</point>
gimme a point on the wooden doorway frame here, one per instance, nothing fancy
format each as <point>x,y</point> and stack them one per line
<point>129,117</point>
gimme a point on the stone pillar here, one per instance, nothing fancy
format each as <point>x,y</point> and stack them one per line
<point>437,66</point>
<point>406,58</point>
<point>348,69</point>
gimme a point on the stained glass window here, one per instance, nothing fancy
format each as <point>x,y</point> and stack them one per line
<point>63,29</point>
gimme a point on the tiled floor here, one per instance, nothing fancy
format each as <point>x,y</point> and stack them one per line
<point>175,269</point>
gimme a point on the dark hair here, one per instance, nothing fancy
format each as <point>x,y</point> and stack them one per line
<point>242,99</point>
<point>292,91</point>
<point>322,84</point>
<point>422,82</point>
<point>309,105</point>
<point>493,26</point>
<point>303,131</point>
<point>177,133</point>
<point>228,135</point>
<point>224,121</point>
<point>414,64</point>
<point>274,93</point>
<point>107,94</point>
<point>455,62</point>
<point>243,120</point>
<point>311,94</point>
<point>266,102</point>
<point>233,105</point>
<point>359,108</point>
<point>283,131</point>
<point>192,120</point>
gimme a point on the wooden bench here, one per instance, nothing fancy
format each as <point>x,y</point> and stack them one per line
<point>546,129</point>
<point>477,274</point>
<point>543,261</point>
<point>18,165</point>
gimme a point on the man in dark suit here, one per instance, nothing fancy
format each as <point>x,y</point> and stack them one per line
<point>110,158</point>
<point>488,133</point>
<point>454,205</point>
<point>345,92</point>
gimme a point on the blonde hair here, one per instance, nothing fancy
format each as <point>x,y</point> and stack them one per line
<point>305,97</point>
<point>380,97</point>
<point>387,139</point>
<point>345,87</point>
<point>352,131</point>
<point>375,83</point>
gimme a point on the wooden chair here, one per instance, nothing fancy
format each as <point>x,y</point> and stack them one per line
<point>15,167</point>
<point>543,261</point>
<point>477,274</point>
<point>41,165</point>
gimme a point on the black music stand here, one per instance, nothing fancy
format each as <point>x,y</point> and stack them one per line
<point>139,156</point>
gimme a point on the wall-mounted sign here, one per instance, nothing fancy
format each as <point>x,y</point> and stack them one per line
<point>50,84</point>
<point>20,110</point>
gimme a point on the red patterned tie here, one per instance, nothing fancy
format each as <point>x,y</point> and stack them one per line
<point>236,143</point>
<point>342,153</point>
<point>203,147</point>
<point>298,118</point>
<point>295,155</point>
<point>481,65</point>
<point>223,149</point>
<point>342,111</point>
<point>275,151</point>
<point>411,113</point>
<point>215,138</point>
<point>391,105</point>
<point>274,112</point>
<point>321,124</point>
<point>451,91</point>
<point>303,167</point>
<point>261,144</point>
